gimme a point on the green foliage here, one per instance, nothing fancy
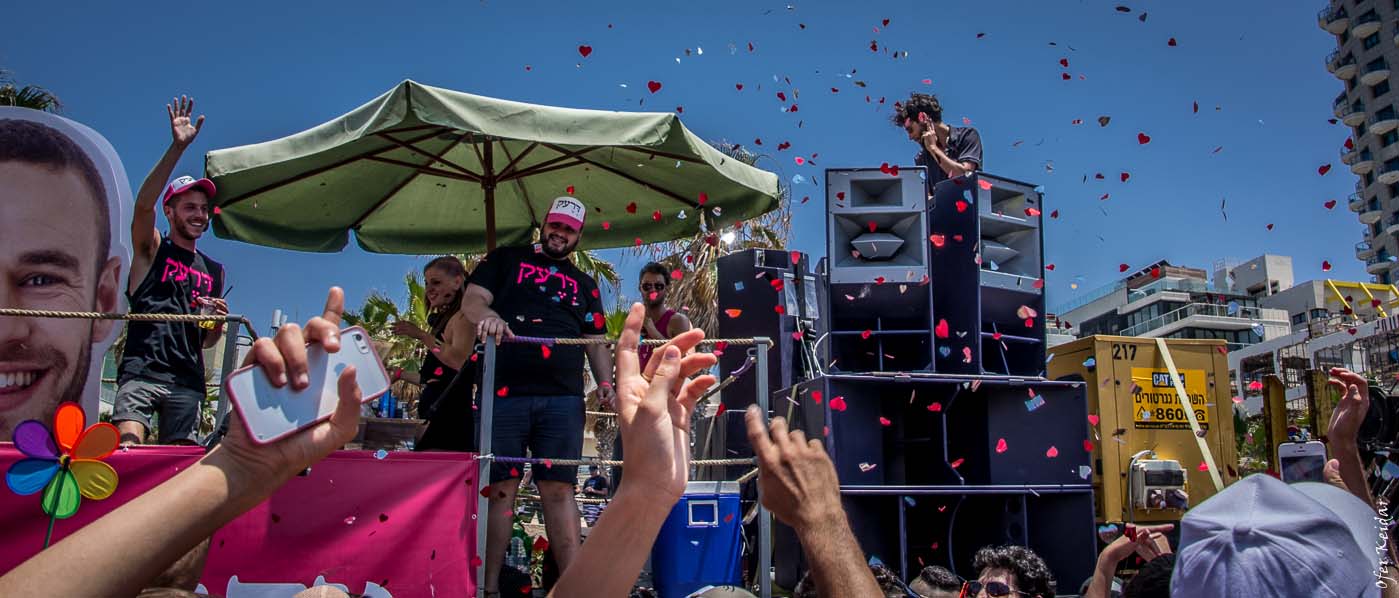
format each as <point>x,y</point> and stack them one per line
<point>26,96</point>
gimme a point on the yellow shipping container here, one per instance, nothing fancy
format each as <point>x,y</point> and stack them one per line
<point>1137,409</point>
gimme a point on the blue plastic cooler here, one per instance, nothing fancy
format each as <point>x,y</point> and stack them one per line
<point>699,545</point>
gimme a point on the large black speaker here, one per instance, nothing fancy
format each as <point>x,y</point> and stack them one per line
<point>762,293</point>
<point>987,267</point>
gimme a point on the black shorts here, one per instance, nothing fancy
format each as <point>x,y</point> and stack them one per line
<point>140,399</point>
<point>538,427</point>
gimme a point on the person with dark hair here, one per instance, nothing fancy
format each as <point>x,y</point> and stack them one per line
<point>936,582</point>
<point>1153,580</point>
<point>947,151</point>
<point>1010,571</point>
<point>162,366</point>
<point>448,375</point>
<point>537,291</point>
<point>55,245</point>
<point>890,586</point>
<point>661,323</point>
<point>1146,541</point>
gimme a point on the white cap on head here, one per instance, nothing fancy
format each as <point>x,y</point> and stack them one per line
<point>567,210</point>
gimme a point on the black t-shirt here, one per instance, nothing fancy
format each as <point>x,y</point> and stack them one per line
<point>963,145</point>
<point>596,482</point>
<point>170,352</point>
<point>540,296</point>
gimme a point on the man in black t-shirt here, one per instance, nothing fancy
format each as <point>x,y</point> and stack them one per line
<point>947,151</point>
<point>595,487</point>
<point>162,366</point>
<point>536,291</point>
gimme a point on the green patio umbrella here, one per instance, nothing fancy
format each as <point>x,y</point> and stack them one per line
<point>422,170</point>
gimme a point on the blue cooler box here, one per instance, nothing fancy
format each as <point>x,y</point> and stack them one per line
<point>700,543</point>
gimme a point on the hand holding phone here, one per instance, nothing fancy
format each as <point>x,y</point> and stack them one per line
<point>1302,461</point>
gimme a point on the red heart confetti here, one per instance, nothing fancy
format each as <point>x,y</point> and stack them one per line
<point>437,372</point>
<point>961,206</point>
<point>606,225</point>
<point>656,215</point>
<point>568,190</point>
<point>799,160</point>
<point>1122,267</point>
<point>1065,76</point>
<point>631,208</point>
<point>884,421</point>
<point>866,334</point>
<point>502,391</point>
<point>941,330</point>
<point>1054,214</point>
<point>1032,212</point>
<point>1049,267</point>
<point>796,257</point>
<point>937,240</point>
<point>1039,283</point>
<point>1093,419</point>
<point>676,274</point>
<point>784,145</point>
<point>1325,168</point>
<point>1330,204</point>
<point>816,396</point>
<point>955,465</point>
<point>654,86</point>
<point>1270,226</point>
<point>475,561</point>
<point>733,313</point>
<point>840,196</point>
<point>738,86</point>
<point>1325,266</point>
<point>1052,452</point>
<point>585,50</point>
<point>1143,138</point>
<point>872,226</point>
<point>777,285</point>
<point>838,404</point>
<point>703,198</point>
<point>935,407</point>
<point>1203,466</point>
<point>779,309</point>
<point>1088,446</point>
<point>984,184</point>
<point>1125,176</point>
<point>1171,42</point>
<point>1064,62</point>
<point>1195,107</point>
<point>1156,271</point>
<point>879,280</point>
<point>781,96</point>
<point>1001,445</point>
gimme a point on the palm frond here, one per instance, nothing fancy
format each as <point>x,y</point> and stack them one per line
<point>27,96</point>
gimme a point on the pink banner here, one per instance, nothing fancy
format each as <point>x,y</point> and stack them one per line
<point>398,526</point>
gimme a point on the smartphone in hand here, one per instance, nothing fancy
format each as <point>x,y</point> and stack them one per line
<point>1302,461</point>
<point>271,413</point>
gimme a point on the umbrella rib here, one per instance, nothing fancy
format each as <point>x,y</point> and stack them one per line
<point>519,183</point>
<point>387,196</point>
<point>542,167</point>
<point>513,161</point>
<point>425,169</point>
<point>313,172</point>
<point>655,153</point>
<point>665,192</point>
<point>436,157</point>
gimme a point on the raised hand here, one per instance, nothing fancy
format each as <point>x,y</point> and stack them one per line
<point>796,479</point>
<point>1344,427</point>
<point>182,130</point>
<point>284,360</point>
<point>654,415</point>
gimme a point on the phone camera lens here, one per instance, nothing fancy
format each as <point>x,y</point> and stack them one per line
<point>359,337</point>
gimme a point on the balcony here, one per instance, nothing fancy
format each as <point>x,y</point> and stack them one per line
<point>1356,203</point>
<point>1360,163</point>
<point>1391,225</point>
<point>1377,264</point>
<point>1364,250</point>
<point>1341,65</point>
<point>1333,20</point>
<point>1353,115</point>
<point>1365,25</point>
<point>1339,107</point>
<point>1383,121</point>
<point>1389,174</point>
<point>1371,215</point>
<point>1208,315</point>
<point>1376,71</point>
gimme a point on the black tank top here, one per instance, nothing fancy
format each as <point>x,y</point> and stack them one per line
<point>170,352</point>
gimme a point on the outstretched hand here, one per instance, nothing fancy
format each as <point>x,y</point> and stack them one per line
<point>654,412</point>
<point>1344,427</point>
<point>284,360</point>
<point>182,131</point>
<point>796,479</point>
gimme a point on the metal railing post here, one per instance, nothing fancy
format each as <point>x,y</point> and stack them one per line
<point>484,465</point>
<point>231,327</point>
<point>764,517</point>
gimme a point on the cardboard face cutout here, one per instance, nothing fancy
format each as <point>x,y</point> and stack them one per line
<point>57,178</point>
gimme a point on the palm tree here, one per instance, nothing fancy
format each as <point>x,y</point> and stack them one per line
<point>697,256</point>
<point>27,96</point>
<point>377,315</point>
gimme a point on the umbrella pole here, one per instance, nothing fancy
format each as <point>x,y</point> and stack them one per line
<point>488,184</point>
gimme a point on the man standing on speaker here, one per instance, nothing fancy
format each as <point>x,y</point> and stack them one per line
<point>162,367</point>
<point>947,151</point>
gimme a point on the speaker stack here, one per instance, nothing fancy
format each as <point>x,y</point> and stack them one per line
<point>925,378</point>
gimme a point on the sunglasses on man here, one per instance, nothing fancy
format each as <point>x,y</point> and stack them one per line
<point>646,286</point>
<point>996,589</point>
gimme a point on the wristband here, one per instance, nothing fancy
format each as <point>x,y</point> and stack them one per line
<point>605,384</point>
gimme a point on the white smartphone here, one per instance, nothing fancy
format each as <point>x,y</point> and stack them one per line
<point>1302,461</point>
<point>270,413</point>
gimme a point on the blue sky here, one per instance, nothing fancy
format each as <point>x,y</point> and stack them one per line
<point>263,70</point>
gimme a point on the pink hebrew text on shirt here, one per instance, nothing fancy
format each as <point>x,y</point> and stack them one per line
<point>532,274</point>
<point>180,272</point>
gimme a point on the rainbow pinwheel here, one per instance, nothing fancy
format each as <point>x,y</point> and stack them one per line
<point>68,469</point>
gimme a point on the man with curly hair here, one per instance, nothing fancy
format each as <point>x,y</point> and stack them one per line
<point>946,150</point>
<point>1010,571</point>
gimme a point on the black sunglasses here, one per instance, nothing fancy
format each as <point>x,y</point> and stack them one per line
<point>994,588</point>
<point>653,287</point>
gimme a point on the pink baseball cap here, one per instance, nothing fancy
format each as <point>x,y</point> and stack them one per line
<point>185,183</point>
<point>567,210</point>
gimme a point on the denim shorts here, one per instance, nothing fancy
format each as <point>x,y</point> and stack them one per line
<point>539,427</point>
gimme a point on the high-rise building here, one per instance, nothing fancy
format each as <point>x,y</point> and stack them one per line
<point>1367,44</point>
